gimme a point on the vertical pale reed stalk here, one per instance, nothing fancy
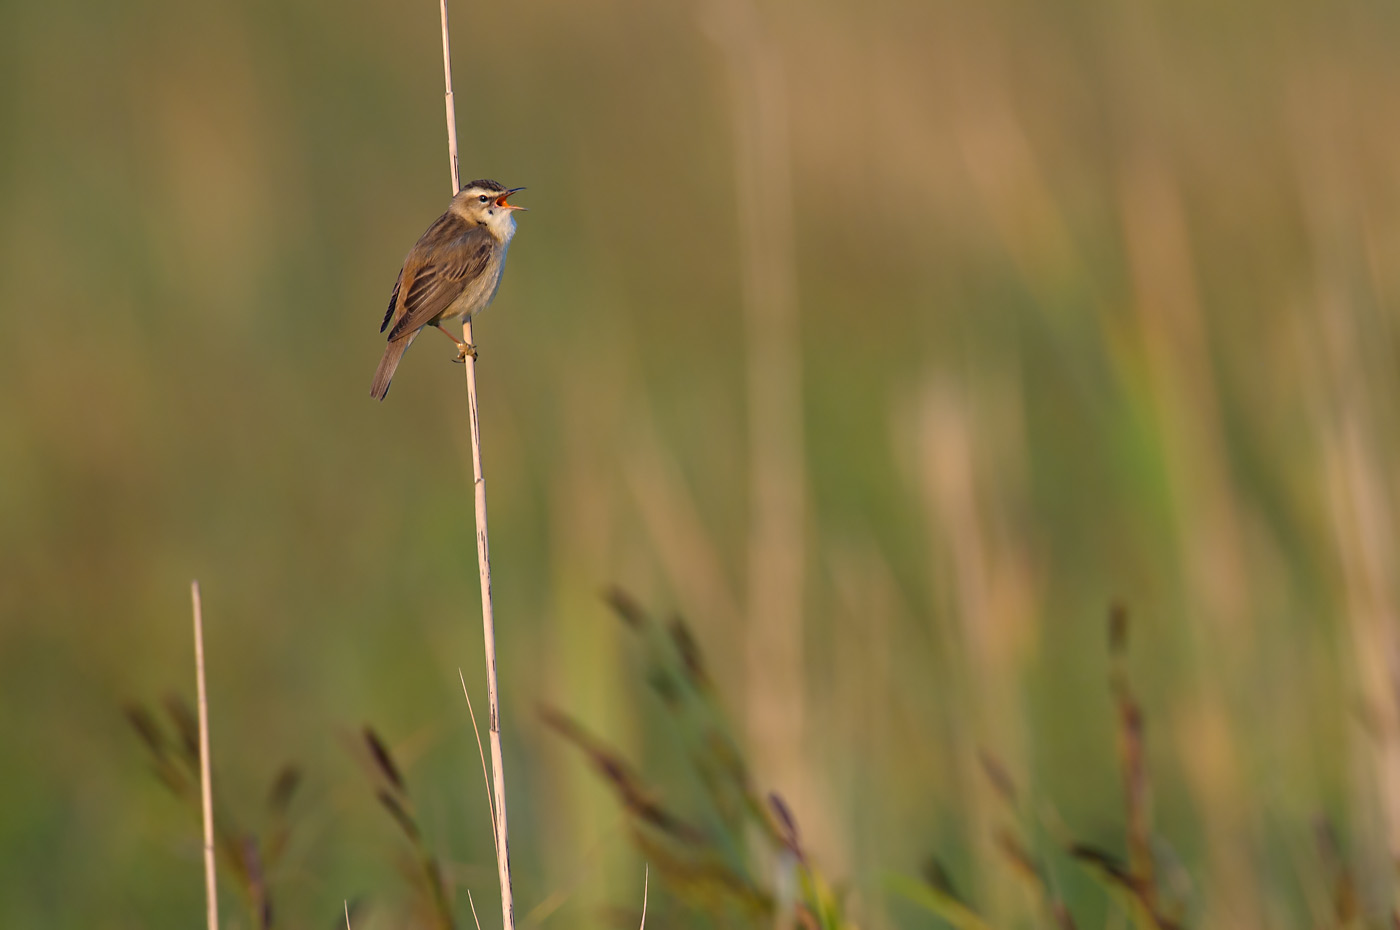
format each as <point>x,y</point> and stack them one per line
<point>1210,514</point>
<point>1357,480</point>
<point>206,782</point>
<point>987,579</point>
<point>1344,331</point>
<point>500,835</point>
<point>774,628</point>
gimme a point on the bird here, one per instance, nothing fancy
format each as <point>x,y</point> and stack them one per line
<point>452,271</point>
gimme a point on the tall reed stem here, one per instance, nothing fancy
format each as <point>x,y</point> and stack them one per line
<point>206,781</point>
<point>500,834</point>
<point>774,629</point>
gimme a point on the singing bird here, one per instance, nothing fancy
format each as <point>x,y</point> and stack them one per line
<point>450,273</point>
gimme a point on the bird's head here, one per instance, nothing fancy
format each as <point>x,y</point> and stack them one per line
<point>484,202</point>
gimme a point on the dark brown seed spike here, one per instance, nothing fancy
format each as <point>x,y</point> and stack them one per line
<point>1063,918</point>
<point>383,759</point>
<point>626,607</point>
<point>1325,835</point>
<point>186,726</point>
<point>936,874</point>
<point>284,788</point>
<point>174,779</point>
<point>998,776</point>
<point>786,822</point>
<point>563,725</point>
<point>401,816</point>
<point>1103,860</point>
<point>630,790</point>
<point>231,854</point>
<point>1117,629</point>
<point>144,723</point>
<point>1018,856</point>
<point>779,806</point>
<point>689,651</point>
<point>1344,901</point>
<point>257,884</point>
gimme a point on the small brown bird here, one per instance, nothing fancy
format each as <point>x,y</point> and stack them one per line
<point>451,272</point>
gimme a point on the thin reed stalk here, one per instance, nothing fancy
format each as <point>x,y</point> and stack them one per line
<point>206,782</point>
<point>499,833</point>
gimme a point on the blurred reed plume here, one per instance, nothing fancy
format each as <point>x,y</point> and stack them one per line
<point>739,856</point>
<point>1033,843</point>
<point>422,867</point>
<point>250,858</point>
<point>775,676</point>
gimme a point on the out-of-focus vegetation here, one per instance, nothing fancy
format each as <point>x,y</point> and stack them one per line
<point>1095,302</point>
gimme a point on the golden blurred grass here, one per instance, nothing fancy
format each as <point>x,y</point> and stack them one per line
<point>1095,303</point>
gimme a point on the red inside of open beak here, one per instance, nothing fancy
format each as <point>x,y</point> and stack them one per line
<point>501,202</point>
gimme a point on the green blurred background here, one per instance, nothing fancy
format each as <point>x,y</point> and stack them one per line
<point>888,342</point>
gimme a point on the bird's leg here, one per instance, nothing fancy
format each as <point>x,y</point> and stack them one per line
<point>463,350</point>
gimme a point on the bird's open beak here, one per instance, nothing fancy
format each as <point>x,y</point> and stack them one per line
<point>501,200</point>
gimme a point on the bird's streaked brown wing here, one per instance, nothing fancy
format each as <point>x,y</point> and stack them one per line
<point>393,303</point>
<point>460,254</point>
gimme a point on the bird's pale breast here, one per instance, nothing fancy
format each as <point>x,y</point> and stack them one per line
<point>479,291</point>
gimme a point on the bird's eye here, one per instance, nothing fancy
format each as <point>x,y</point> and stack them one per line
<point>483,198</point>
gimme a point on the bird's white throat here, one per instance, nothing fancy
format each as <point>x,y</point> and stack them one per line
<point>502,225</point>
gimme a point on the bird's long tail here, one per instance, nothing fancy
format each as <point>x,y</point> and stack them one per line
<point>393,352</point>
